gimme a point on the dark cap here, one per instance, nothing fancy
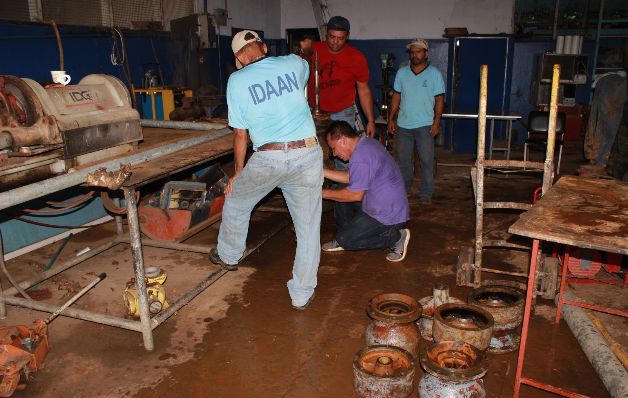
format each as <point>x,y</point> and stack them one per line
<point>338,23</point>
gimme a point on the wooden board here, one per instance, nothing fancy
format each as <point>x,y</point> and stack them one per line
<point>582,212</point>
<point>179,161</point>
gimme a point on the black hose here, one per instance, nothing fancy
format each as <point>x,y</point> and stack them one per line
<point>59,44</point>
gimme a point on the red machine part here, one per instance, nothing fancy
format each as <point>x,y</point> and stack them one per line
<point>22,351</point>
<point>172,224</point>
<point>583,263</point>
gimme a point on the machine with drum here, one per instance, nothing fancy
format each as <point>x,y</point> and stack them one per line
<point>46,131</point>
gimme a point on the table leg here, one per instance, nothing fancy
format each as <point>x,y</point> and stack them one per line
<point>138,265</point>
<point>563,279</point>
<point>526,316</point>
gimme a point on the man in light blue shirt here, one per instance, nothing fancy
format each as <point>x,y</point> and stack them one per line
<point>416,109</point>
<point>267,103</point>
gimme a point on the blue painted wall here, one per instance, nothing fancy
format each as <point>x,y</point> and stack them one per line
<point>523,74</point>
<point>30,50</point>
<point>524,67</point>
<point>373,48</point>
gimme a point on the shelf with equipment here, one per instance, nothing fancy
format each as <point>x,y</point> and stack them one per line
<point>611,40</point>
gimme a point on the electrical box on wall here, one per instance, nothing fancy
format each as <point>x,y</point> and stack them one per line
<point>197,26</point>
<point>221,16</point>
<point>206,31</point>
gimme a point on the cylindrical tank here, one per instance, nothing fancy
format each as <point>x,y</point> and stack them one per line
<point>383,371</point>
<point>505,304</point>
<point>394,317</point>
<point>453,369</point>
<point>463,322</point>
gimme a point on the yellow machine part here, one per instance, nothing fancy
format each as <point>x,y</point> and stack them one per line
<point>167,95</point>
<point>155,292</point>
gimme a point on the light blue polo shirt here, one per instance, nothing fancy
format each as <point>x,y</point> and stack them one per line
<point>267,97</point>
<point>417,96</point>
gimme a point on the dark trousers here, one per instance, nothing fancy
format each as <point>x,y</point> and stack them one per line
<point>356,230</point>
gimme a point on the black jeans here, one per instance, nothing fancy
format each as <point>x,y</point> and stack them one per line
<point>356,230</point>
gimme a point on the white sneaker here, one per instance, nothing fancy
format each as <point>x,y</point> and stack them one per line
<point>400,249</point>
<point>331,246</point>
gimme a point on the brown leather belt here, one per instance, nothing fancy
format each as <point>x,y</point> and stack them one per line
<point>284,146</point>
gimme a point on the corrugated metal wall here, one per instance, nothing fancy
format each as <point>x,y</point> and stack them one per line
<point>136,14</point>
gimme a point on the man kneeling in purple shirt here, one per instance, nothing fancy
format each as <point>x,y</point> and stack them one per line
<point>372,211</point>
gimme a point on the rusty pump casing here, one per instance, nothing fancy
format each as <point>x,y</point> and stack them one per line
<point>46,131</point>
<point>155,278</point>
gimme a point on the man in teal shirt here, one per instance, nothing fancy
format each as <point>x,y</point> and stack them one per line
<point>267,103</point>
<point>415,112</point>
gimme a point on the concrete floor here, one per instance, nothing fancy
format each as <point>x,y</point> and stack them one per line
<point>241,338</point>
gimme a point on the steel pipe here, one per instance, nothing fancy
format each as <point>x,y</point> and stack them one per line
<point>171,124</point>
<point>76,313</point>
<point>611,371</point>
<point>479,191</point>
<point>170,245</point>
<point>138,267</point>
<point>548,170</point>
<point>39,189</point>
<point>57,270</point>
<point>186,298</point>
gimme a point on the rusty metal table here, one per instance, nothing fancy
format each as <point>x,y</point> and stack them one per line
<point>150,169</point>
<point>579,212</point>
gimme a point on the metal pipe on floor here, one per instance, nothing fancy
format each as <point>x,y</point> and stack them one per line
<point>76,313</point>
<point>611,371</point>
<point>171,124</point>
<point>57,270</point>
<point>36,190</point>
<point>170,245</point>
<point>186,298</point>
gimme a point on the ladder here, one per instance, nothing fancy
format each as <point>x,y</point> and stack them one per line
<point>321,15</point>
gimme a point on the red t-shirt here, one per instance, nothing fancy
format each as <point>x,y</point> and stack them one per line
<point>338,75</point>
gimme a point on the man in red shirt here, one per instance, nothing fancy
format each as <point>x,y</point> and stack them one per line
<point>342,69</point>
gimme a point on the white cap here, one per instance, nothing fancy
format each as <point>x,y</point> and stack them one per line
<point>419,43</point>
<point>240,40</point>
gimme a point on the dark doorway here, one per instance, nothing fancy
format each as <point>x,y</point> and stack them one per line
<point>294,36</point>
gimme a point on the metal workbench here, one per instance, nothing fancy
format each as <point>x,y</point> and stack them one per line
<point>148,166</point>
<point>576,212</point>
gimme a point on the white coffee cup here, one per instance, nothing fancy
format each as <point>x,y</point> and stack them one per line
<point>59,76</point>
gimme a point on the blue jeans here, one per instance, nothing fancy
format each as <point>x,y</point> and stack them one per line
<point>356,230</point>
<point>406,139</point>
<point>347,115</point>
<point>299,175</point>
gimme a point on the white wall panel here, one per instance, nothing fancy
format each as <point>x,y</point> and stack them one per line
<point>394,19</point>
<point>371,19</point>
